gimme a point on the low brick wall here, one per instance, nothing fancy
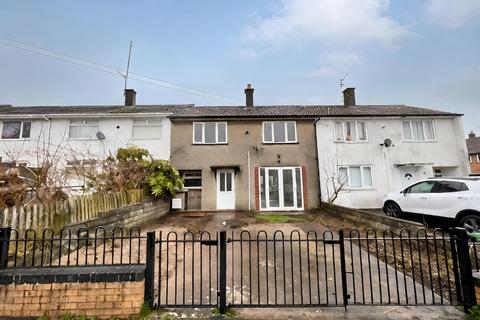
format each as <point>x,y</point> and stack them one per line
<point>74,290</point>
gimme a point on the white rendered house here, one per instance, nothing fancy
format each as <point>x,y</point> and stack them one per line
<point>86,134</point>
<point>368,151</point>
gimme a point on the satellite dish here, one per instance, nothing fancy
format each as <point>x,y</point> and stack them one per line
<point>100,135</point>
<point>387,143</point>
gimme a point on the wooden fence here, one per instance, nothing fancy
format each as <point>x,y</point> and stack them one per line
<point>72,210</point>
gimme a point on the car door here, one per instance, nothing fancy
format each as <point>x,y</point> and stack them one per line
<point>416,197</point>
<point>449,198</point>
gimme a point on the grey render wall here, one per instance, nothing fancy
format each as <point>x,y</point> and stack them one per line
<point>244,136</point>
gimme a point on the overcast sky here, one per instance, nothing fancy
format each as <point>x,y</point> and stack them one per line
<point>416,52</point>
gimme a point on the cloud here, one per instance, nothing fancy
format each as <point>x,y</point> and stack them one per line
<point>453,14</point>
<point>327,20</point>
<point>335,64</point>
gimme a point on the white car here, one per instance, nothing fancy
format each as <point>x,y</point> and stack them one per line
<point>453,198</point>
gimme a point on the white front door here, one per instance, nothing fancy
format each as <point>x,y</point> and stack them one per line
<point>226,189</point>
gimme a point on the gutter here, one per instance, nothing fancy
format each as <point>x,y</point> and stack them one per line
<point>85,115</point>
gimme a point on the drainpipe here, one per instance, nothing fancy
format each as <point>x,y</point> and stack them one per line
<point>249,187</point>
<point>318,163</point>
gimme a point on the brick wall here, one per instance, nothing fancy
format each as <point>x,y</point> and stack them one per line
<point>102,300</point>
<point>474,163</point>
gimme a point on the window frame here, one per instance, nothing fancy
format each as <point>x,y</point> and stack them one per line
<point>285,131</point>
<point>363,187</point>
<point>20,135</point>
<point>344,131</point>
<point>203,132</point>
<point>82,125</point>
<point>192,177</point>
<point>147,124</point>
<point>424,131</point>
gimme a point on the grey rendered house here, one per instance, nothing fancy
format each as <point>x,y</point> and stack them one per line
<point>245,157</point>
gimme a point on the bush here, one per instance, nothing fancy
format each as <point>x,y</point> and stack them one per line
<point>164,180</point>
<point>133,168</point>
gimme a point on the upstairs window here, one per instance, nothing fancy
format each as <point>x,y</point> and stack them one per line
<point>147,129</point>
<point>356,177</point>
<point>350,131</point>
<point>418,130</point>
<point>280,132</point>
<point>209,132</point>
<point>16,129</point>
<point>83,129</point>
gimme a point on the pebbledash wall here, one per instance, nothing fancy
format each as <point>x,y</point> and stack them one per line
<point>101,292</point>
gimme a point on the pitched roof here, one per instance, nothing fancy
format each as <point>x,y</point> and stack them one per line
<point>473,145</point>
<point>180,111</point>
<point>306,111</point>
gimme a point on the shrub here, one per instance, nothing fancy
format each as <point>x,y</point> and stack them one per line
<point>164,180</point>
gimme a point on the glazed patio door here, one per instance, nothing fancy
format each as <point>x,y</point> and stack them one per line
<point>281,188</point>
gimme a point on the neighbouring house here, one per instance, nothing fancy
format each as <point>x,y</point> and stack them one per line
<point>80,136</point>
<point>473,146</point>
<point>246,157</point>
<point>365,152</point>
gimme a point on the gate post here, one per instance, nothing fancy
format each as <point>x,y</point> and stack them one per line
<point>222,288</point>
<point>343,268</point>
<point>4,244</point>
<point>465,264</point>
<point>149,269</point>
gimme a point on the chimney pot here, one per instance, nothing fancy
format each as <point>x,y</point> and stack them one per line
<point>130,98</point>
<point>249,96</point>
<point>349,97</point>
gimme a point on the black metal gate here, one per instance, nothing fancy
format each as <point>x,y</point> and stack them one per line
<point>310,269</point>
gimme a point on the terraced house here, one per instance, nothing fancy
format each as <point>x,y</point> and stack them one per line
<point>262,158</point>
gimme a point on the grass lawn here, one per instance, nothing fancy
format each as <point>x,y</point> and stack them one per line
<point>278,218</point>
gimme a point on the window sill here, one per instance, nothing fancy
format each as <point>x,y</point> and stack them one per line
<point>16,139</point>
<point>210,144</point>
<point>82,139</point>
<point>272,143</point>
<point>359,189</point>
<point>420,141</point>
<point>351,142</point>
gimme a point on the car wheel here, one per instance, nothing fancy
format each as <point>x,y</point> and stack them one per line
<point>393,210</point>
<point>470,222</point>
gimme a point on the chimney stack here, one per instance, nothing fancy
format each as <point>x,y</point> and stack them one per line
<point>130,98</point>
<point>349,97</point>
<point>249,96</point>
<point>471,135</point>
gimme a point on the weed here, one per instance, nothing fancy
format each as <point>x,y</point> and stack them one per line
<point>278,218</point>
<point>474,313</point>
<point>230,313</point>
<point>145,311</point>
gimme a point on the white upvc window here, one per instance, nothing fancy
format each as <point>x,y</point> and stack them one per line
<point>147,129</point>
<point>16,129</point>
<point>279,132</point>
<point>418,130</point>
<point>83,129</point>
<point>356,177</point>
<point>350,131</point>
<point>210,133</point>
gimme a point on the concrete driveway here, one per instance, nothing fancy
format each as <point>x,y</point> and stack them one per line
<point>265,272</point>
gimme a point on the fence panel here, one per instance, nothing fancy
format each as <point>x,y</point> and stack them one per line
<point>75,209</point>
